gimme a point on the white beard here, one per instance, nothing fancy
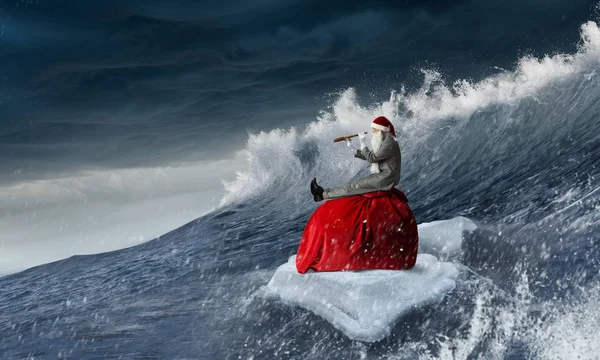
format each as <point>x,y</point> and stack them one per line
<point>376,142</point>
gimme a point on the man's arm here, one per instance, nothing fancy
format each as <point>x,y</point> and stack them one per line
<point>384,152</point>
<point>359,155</point>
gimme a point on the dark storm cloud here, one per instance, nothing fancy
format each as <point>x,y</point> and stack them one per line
<point>140,83</point>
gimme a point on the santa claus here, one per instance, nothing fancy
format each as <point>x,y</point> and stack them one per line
<point>368,223</point>
<point>384,158</point>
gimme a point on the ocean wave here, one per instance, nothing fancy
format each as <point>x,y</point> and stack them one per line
<point>433,112</point>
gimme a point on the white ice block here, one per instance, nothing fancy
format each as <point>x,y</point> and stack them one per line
<point>364,305</point>
<point>443,238</point>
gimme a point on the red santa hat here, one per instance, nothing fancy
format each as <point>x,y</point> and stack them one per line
<point>382,123</point>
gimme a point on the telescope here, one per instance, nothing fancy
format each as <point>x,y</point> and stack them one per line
<point>342,138</point>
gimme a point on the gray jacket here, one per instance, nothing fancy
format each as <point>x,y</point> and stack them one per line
<point>388,158</point>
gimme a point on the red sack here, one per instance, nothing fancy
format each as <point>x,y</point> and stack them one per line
<point>369,231</point>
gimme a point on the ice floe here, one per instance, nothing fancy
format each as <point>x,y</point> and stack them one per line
<point>364,305</point>
<point>443,238</point>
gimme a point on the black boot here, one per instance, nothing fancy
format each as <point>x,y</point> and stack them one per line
<point>316,190</point>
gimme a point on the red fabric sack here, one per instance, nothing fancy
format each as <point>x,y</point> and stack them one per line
<point>369,231</point>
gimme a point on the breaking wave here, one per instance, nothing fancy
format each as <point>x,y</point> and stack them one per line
<point>514,102</point>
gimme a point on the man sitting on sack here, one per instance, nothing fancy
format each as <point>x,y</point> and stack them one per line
<point>385,161</point>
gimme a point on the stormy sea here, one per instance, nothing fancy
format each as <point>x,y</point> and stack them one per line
<point>516,150</point>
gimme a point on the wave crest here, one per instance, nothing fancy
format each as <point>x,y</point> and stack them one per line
<point>273,162</point>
